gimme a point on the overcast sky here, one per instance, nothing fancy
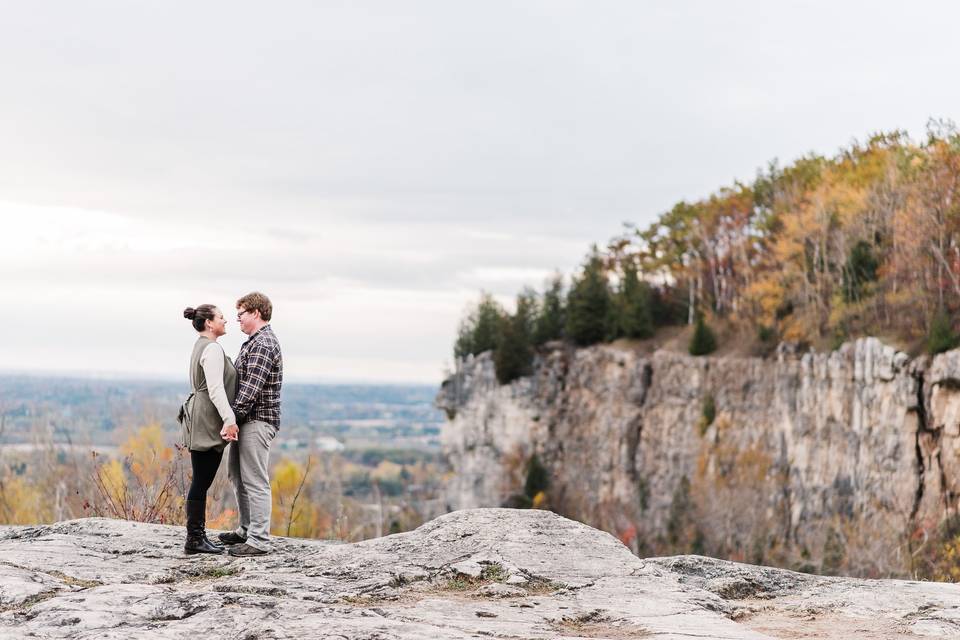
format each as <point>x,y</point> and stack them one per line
<point>372,165</point>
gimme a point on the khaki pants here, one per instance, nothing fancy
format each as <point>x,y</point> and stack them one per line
<point>248,468</point>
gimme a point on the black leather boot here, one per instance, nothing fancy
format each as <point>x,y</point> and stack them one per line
<point>196,534</point>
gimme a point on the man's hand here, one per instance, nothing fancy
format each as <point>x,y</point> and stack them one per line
<point>230,433</point>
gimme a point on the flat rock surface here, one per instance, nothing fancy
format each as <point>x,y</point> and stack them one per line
<point>494,573</point>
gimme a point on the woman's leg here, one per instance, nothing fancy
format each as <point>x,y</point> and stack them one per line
<point>205,465</point>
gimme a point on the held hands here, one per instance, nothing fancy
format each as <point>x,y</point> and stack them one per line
<point>230,433</point>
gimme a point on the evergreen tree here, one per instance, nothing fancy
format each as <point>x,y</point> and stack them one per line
<point>479,331</point>
<point>635,317</point>
<point>703,341</point>
<point>513,357</point>
<point>464,343</point>
<point>550,321</point>
<point>861,268</point>
<point>668,306</point>
<point>588,303</point>
<point>942,336</point>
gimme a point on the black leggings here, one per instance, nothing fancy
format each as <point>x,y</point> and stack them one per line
<point>205,465</point>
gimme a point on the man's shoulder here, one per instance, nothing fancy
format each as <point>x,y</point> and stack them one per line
<point>267,339</point>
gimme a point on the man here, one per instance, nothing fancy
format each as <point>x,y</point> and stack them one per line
<point>257,408</point>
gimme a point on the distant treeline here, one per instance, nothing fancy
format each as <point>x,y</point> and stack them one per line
<point>824,250</point>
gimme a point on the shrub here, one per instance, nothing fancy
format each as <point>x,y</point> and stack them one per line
<point>537,478</point>
<point>708,413</point>
<point>942,336</point>
<point>703,341</point>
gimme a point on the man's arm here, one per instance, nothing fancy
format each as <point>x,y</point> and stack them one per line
<point>257,367</point>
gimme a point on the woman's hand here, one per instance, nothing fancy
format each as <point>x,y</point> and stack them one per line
<point>230,433</point>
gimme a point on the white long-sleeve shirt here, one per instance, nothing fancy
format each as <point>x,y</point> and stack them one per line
<point>212,362</point>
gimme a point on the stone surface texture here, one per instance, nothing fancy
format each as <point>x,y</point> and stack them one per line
<point>99,578</point>
<point>861,444</point>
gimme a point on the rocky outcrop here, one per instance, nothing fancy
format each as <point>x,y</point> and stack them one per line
<point>809,459</point>
<point>480,573</point>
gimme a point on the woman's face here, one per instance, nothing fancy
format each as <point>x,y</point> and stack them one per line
<point>217,326</point>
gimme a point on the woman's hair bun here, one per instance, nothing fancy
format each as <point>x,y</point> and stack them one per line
<point>189,313</point>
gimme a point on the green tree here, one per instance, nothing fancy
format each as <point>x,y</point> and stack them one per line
<point>861,268</point>
<point>588,303</point>
<point>550,321</point>
<point>513,356</point>
<point>942,336</point>
<point>634,308</point>
<point>703,341</point>
<point>479,330</point>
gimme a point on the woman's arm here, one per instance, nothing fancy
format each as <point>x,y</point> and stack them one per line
<point>212,362</point>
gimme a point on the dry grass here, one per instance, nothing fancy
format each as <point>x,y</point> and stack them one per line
<point>597,624</point>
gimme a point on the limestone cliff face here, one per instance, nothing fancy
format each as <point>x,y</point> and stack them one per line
<point>822,458</point>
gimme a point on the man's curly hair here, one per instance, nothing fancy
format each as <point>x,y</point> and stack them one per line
<point>257,301</point>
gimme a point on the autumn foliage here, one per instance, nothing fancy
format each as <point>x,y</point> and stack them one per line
<point>816,252</point>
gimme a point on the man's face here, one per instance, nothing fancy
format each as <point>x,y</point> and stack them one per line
<point>247,319</point>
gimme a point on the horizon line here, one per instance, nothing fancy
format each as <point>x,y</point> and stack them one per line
<point>73,374</point>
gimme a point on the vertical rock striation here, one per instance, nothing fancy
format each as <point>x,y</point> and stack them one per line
<point>822,458</point>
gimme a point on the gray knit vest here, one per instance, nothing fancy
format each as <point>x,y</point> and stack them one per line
<point>203,431</point>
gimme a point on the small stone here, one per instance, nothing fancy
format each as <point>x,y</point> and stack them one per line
<point>486,614</point>
<point>497,590</point>
<point>468,568</point>
<point>516,579</point>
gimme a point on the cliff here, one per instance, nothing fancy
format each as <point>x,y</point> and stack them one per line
<point>481,573</point>
<point>843,461</point>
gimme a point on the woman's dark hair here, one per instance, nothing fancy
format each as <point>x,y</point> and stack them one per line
<point>199,315</point>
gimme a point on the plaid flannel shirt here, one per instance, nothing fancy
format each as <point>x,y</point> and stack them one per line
<point>260,371</point>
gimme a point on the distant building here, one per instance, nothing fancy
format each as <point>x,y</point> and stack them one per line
<point>327,443</point>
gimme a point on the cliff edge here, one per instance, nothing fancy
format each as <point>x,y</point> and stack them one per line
<point>499,573</point>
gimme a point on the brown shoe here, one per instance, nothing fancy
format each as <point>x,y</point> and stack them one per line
<point>232,537</point>
<point>243,549</point>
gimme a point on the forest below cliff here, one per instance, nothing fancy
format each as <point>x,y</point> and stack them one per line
<point>823,250</point>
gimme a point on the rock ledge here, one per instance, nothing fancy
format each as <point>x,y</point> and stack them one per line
<point>497,573</point>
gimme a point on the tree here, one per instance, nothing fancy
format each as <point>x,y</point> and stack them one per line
<point>588,303</point>
<point>703,341</point>
<point>861,268</point>
<point>942,336</point>
<point>293,511</point>
<point>550,321</point>
<point>479,330</point>
<point>513,357</point>
<point>634,305</point>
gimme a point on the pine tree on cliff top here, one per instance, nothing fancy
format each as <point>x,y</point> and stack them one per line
<point>513,357</point>
<point>550,321</point>
<point>589,304</point>
<point>634,312</point>
<point>480,330</point>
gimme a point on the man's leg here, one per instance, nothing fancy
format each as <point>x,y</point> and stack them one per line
<point>255,439</point>
<point>236,479</point>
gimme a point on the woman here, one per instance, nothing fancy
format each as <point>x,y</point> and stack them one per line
<point>214,382</point>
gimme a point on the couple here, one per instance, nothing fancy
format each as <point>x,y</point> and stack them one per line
<point>239,405</point>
